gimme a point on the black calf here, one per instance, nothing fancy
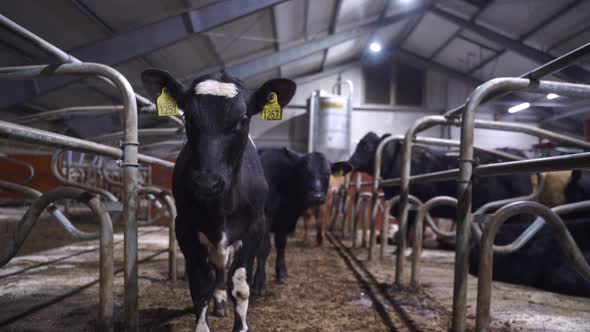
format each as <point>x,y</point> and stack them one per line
<point>296,182</point>
<point>425,160</point>
<point>218,183</point>
<point>541,262</point>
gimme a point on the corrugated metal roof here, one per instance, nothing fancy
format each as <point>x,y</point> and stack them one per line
<point>294,23</point>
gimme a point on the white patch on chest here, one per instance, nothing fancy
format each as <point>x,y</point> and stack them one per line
<point>202,323</point>
<point>219,254</point>
<point>215,88</point>
<point>241,293</point>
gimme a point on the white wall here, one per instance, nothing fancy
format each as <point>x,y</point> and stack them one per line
<point>440,94</point>
<point>292,131</point>
<point>498,139</point>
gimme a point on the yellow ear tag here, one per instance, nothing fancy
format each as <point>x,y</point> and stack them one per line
<point>272,110</point>
<point>339,173</point>
<point>166,105</point>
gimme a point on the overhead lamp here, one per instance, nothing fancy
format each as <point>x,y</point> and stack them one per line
<point>375,47</point>
<point>519,107</point>
<point>552,96</point>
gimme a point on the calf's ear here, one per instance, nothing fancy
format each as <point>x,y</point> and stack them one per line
<point>341,168</point>
<point>576,175</point>
<point>284,88</point>
<point>154,80</point>
<point>384,137</point>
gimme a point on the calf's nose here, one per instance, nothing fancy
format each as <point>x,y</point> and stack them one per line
<point>208,183</point>
<point>316,197</point>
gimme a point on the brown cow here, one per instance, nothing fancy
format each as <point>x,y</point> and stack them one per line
<point>321,213</point>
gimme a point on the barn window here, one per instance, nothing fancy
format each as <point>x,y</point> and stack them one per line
<point>377,79</point>
<point>409,85</point>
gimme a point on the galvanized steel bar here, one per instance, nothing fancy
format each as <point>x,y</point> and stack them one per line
<point>53,210</point>
<point>106,298</point>
<point>536,226</point>
<point>25,164</point>
<point>171,206</point>
<point>57,174</point>
<point>147,132</point>
<point>546,69</point>
<point>129,162</point>
<point>484,285</point>
<point>423,210</point>
<point>488,89</point>
<point>51,49</point>
<point>42,137</point>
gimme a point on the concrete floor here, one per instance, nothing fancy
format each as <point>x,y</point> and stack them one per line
<point>514,307</point>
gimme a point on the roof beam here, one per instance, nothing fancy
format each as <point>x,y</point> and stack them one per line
<point>458,32</point>
<point>420,61</point>
<point>151,37</point>
<point>373,33</point>
<point>574,72</point>
<point>266,62</point>
<point>328,71</point>
<point>332,28</point>
<point>138,42</point>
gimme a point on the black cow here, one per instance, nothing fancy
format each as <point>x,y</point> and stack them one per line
<point>425,160</point>
<point>218,183</point>
<point>296,182</point>
<point>577,187</point>
<point>540,263</point>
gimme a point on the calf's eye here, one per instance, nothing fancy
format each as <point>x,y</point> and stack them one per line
<point>240,125</point>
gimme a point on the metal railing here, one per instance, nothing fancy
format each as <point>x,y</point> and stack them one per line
<point>12,244</point>
<point>469,170</point>
<point>127,153</point>
<point>28,166</point>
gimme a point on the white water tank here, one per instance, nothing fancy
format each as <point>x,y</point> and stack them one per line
<point>329,123</point>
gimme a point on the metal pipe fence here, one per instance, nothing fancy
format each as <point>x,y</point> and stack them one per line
<point>11,245</point>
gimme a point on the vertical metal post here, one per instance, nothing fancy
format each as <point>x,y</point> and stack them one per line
<point>311,122</point>
<point>344,208</point>
<point>404,205</point>
<point>355,209</point>
<point>172,247</point>
<point>464,195</point>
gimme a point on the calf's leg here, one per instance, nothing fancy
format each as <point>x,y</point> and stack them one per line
<point>320,222</point>
<point>201,282</point>
<point>280,266</point>
<point>219,293</point>
<point>201,276</point>
<point>259,284</point>
<point>238,283</point>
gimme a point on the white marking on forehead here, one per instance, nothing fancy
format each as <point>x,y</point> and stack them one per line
<point>215,88</point>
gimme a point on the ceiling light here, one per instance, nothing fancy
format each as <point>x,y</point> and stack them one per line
<point>519,107</point>
<point>552,96</point>
<point>375,47</point>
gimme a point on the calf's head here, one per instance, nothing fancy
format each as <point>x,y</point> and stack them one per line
<point>578,187</point>
<point>363,158</point>
<point>217,110</point>
<point>312,176</point>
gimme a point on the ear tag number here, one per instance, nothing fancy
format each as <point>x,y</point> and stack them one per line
<point>166,105</point>
<point>272,110</point>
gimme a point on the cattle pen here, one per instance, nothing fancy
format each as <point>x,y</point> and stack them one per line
<point>90,236</point>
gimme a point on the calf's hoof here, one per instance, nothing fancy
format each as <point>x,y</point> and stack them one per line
<point>219,309</point>
<point>281,275</point>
